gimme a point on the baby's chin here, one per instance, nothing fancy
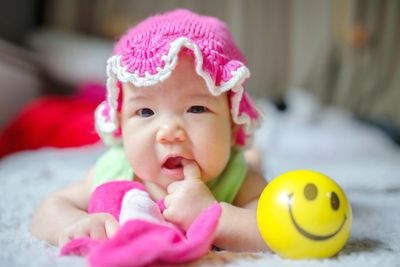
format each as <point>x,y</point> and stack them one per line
<point>156,189</point>
<point>162,181</point>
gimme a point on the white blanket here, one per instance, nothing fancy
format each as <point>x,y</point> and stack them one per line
<point>360,158</point>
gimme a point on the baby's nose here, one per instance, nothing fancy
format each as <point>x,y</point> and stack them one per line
<point>170,134</point>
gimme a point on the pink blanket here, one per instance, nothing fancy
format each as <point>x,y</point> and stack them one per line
<point>140,242</point>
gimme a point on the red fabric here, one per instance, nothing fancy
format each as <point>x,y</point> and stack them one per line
<point>57,121</point>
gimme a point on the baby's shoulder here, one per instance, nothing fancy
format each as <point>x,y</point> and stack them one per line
<point>254,180</point>
<point>251,189</point>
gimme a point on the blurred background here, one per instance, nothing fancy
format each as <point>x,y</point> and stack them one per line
<point>344,52</point>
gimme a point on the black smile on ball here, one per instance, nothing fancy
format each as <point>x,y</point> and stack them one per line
<point>309,235</point>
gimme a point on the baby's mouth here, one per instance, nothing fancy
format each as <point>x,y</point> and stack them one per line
<point>173,163</point>
<point>173,168</point>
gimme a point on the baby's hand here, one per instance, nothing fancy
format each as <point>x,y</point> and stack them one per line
<point>98,226</point>
<point>187,198</point>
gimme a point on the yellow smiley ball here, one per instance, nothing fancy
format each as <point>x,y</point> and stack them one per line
<point>304,214</point>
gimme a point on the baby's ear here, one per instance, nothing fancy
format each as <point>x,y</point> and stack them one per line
<point>120,100</point>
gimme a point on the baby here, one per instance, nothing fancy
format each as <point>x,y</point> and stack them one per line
<point>177,119</point>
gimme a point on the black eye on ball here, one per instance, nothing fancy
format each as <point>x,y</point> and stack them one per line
<point>335,203</point>
<point>310,191</point>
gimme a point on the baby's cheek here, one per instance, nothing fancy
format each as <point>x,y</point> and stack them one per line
<point>143,167</point>
<point>139,158</point>
<point>213,162</point>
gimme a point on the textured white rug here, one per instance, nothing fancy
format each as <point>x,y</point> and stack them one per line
<point>361,159</point>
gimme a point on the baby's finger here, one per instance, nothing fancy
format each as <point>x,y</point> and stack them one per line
<point>80,231</point>
<point>98,232</point>
<point>111,226</point>
<point>167,201</point>
<point>172,187</point>
<point>190,169</point>
<point>72,232</point>
<point>167,214</point>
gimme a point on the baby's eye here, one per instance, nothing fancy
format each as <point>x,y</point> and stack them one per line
<point>197,109</point>
<point>145,112</point>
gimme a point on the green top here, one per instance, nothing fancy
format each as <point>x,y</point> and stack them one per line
<point>113,166</point>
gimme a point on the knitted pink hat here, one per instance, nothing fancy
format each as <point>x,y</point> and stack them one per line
<point>148,53</point>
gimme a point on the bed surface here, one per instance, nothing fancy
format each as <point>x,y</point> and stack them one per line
<point>360,158</point>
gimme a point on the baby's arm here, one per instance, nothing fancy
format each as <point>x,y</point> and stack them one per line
<point>63,216</point>
<point>237,229</point>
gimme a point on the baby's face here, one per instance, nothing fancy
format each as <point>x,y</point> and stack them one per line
<point>177,118</point>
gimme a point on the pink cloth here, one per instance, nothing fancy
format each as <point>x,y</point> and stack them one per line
<point>140,242</point>
<point>108,197</point>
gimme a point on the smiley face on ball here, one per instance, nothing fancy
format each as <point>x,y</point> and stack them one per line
<point>304,214</point>
<point>321,200</point>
